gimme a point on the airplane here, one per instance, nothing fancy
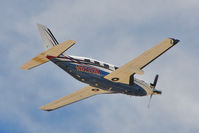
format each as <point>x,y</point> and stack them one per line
<point>101,77</point>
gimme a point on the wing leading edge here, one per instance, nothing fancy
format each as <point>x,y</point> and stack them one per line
<point>74,97</point>
<point>136,65</point>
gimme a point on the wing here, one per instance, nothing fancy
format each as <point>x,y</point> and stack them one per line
<point>74,97</point>
<point>136,65</point>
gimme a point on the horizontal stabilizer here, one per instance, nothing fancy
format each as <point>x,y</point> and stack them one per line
<point>41,58</point>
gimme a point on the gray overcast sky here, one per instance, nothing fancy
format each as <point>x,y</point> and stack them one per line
<point>113,31</point>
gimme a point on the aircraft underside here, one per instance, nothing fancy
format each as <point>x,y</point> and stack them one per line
<point>96,79</point>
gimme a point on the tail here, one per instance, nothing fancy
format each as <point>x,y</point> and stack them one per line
<point>48,39</point>
<point>53,48</point>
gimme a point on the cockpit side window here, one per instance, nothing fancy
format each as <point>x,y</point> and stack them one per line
<point>116,68</point>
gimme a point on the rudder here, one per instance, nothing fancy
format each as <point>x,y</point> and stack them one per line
<point>48,38</point>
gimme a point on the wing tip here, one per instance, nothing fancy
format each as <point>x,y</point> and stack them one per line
<point>45,109</point>
<point>175,41</point>
<point>24,67</point>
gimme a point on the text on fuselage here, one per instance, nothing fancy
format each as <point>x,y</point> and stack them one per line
<point>88,69</point>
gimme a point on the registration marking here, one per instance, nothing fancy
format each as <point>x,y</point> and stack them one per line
<point>87,69</point>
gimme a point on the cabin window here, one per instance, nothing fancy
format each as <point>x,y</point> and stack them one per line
<point>97,63</point>
<point>116,67</point>
<point>106,66</point>
<point>87,60</point>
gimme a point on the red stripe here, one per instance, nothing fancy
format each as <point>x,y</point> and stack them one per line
<point>50,57</point>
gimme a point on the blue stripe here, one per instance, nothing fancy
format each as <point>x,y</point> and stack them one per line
<point>103,73</point>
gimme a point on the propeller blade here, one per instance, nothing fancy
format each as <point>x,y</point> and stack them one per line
<point>150,100</point>
<point>155,81</point>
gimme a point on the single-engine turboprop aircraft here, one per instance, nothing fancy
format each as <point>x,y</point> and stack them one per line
<point>101,77</point>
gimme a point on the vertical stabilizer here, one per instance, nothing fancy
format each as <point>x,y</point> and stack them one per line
<point>47,36</point>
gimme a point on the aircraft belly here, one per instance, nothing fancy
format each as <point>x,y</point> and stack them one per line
<point>93,78</point>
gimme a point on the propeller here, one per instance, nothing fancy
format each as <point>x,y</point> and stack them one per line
<point>153,85</point>
<point>149,101</point>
